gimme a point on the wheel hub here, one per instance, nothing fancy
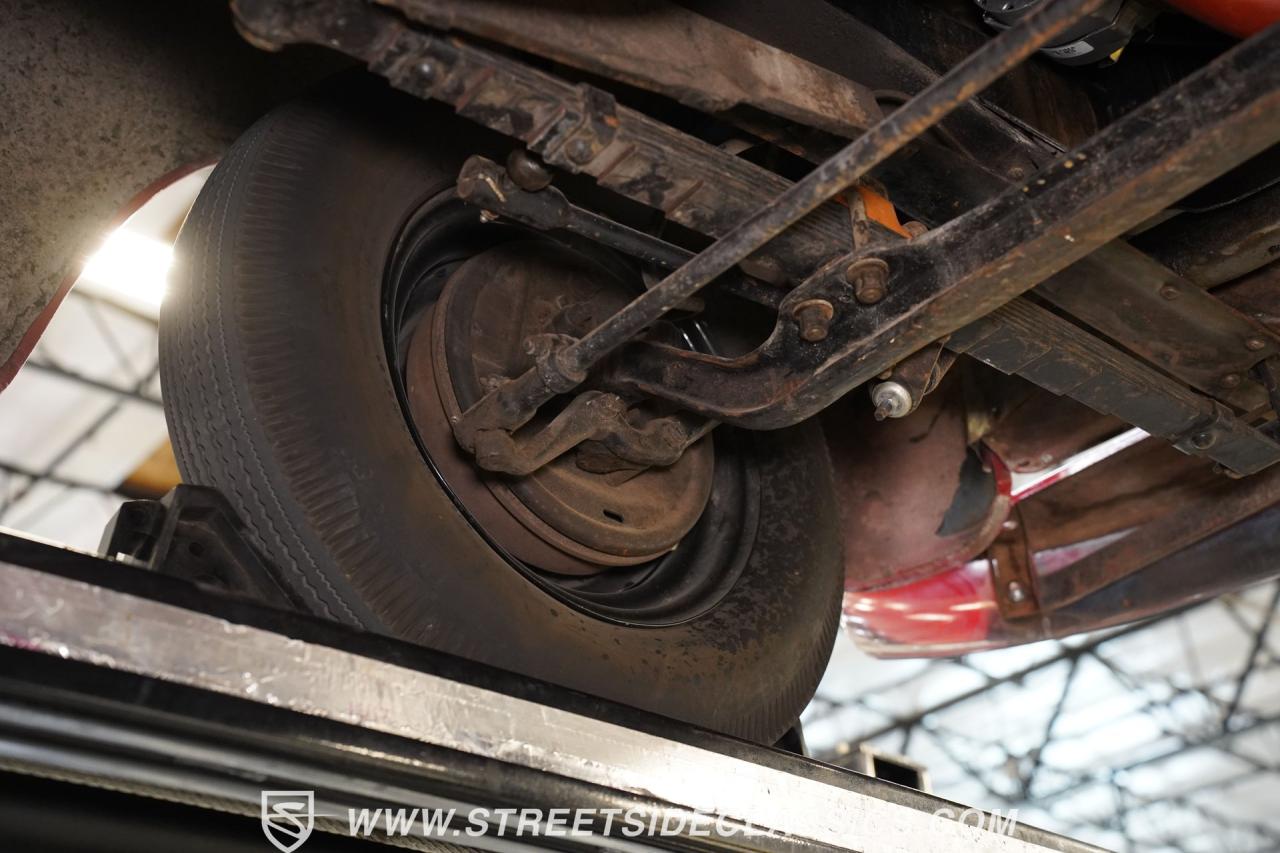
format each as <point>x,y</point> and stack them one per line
<point>578,513</point>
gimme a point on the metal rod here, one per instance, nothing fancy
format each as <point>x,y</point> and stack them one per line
<point>487,185</point>
<point>922,112</point>
<point>47,473</point>
<point>90,382</point>
<point>514,403</point>
<point>1251,661</point>
<point>952,279</point>
<point>55,479</point>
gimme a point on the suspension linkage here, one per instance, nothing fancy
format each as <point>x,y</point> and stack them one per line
<point>512,404</point>
<point>492,188</point>
<point>592,416</point>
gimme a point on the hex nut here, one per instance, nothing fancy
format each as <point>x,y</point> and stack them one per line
<point>814,316</point>
<point>870,279</point>
<point>892,400</point>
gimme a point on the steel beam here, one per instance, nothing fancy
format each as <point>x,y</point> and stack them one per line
<point>360,718</point>
<point>577,128</point>
<point>664,48</point>
<point>964,270</point>
<point>1023,338</point>
<point>513,403</point>
<point>580,129</point>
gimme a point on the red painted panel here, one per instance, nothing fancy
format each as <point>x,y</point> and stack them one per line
<point>1239,17</point>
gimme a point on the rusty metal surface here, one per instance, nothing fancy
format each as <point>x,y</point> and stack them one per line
<point>1034,430</point>
<point>912,498</point>
<point>1256,295</point>
<point>1130,171</point>
<point>1219,245</point>
<point>518,533</point>
<point>693,183</point>
<point>512,403</point>
<point>605,420</point>
<point>1268,374</point>
<point>1137,485</point>
<point>483,183</point>
<point>505,118</point>
<point>921,372</point>
<point>1196,338</point>
<point>490,307</point>
<point>1012,566</point>
<point>833,36</point>
<point>1166,319</point>
<point>1182,527</point>
<point>591,133</point>
<point>1023,338</point>
<point>664,48</point>
<point>1188,338</point>
<point>1038,94</point>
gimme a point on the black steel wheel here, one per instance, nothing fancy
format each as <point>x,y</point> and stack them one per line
<point>333,303</point>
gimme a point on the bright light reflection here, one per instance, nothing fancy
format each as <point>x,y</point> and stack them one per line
<point>972,605</point>
<point>132,265</point>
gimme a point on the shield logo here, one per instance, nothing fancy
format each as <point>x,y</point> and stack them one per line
<point>288,817</point>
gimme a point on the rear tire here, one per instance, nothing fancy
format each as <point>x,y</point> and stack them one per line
<point>280,392</point>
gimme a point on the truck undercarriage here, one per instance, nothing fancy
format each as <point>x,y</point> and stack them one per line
<point>689,230</point>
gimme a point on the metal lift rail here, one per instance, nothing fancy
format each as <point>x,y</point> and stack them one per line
<point>135,705</point>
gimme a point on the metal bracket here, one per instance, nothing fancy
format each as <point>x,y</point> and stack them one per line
<point>592,416</point>
<point>1203,435</point>
<point>1013,570</point>
<point>193,533</point>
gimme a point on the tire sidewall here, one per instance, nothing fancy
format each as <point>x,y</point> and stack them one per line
<point>279,293</point>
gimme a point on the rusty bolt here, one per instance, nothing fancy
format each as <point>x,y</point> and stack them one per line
<point>1017,592</point>
<point>579,151</point>
<point>1168,291</point>
<point>813,316</point>
<point>1203,440</point>
<point>869,277</point>
<point>526,171</point>
<point>1255,344</point>
<point>1231,380</point>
